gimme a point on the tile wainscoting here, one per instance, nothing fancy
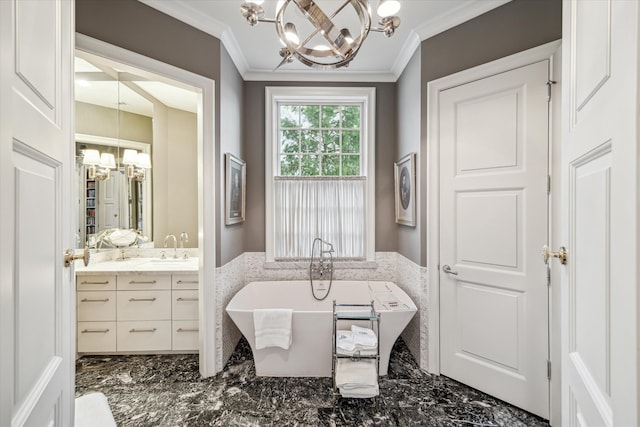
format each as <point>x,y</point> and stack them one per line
<point>389,266</point>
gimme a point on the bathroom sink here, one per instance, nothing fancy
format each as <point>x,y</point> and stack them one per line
<point>169,260</point>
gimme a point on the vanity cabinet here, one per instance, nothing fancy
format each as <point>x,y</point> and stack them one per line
<point>128,312</point>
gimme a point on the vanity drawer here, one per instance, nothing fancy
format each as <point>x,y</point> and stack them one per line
<point>184,305</point>
<point>144,305</point>
<point>95,283</point>
<point>96,306</point>
<point>184,281</point>
<point>96,337</point>
<point>185,335</point>
<point>142,282</point>
<point>144,335</point>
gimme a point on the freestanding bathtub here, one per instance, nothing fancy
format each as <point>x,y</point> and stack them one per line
<point>310,352</point>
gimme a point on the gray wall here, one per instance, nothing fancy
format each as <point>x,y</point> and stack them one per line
<point>254,140</point>
<point>511,28</point>
<point>230,237</point>
<point>409,96</point>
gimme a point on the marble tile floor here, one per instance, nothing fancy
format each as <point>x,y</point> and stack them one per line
<point>167,390</point>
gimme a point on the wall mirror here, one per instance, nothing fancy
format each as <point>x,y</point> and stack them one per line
<point>136,155</point>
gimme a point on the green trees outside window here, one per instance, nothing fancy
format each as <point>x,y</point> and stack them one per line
<point>320,140</point>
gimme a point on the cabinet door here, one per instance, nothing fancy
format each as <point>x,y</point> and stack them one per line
<point>98,282</point>
<point>185,335</point>
<point>142,282</point>
<point>184,305</point>
<point>96,306</point>
<point>96,337</point>
<point>144,335</point>
<point>144,305</point>
<point>185,281</point>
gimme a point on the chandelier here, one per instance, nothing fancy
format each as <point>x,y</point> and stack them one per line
<point>330,41</point>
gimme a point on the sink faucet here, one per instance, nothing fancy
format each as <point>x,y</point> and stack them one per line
<point>184,238</point>
<point>175,244</point>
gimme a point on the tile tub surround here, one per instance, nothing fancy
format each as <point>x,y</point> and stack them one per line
<point>167,390</point>
<point>388,266</point>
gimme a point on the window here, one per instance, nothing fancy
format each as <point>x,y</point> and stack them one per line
<point>319,171</point>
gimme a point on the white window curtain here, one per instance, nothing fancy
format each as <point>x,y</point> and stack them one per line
<point>332,209</point>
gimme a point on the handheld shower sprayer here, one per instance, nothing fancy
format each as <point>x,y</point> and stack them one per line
<point>324,265</point>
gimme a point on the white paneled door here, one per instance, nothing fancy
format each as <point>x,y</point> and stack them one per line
<point>36,189</point>
<point>493,223</point>
<point>600,213</point>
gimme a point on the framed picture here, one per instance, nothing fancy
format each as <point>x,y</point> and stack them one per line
<point>235,189</point>
<point>405,185</point>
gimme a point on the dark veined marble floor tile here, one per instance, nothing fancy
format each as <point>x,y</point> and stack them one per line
<point>167,390</point>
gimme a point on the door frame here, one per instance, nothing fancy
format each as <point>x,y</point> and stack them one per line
<point>550,51</point>
<point>206,179</point>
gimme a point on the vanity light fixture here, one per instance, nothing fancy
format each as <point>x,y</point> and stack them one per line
<point>92,159</point>
<point>137,164</point>
<point>324,44</point>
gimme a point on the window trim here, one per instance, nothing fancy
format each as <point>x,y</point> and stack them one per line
<point>366,97</point>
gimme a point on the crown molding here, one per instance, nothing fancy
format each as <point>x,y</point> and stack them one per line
<point>320,76</point>
<point>463,13</point>
<point>406,53</point>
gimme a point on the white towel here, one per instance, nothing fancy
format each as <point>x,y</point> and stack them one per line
<point>364,336</point>
<point>273,327</point>
<point>361,393</point>
<point>92,410</point>
<point>353,374</point>
<point>346,346</point>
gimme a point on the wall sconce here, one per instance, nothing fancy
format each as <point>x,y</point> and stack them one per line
<point>137,164</point>
<point>93,158</point>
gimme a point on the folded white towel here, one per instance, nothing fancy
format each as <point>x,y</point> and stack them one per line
<point>352,374</point>
<point>361,392</point>
<point>92,410</point>
<point>364,336</point>
<point>346,346</point>
<point>273,327</point>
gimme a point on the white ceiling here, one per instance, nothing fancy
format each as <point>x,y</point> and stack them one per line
<point>254,50</point>
<point>108,84</point>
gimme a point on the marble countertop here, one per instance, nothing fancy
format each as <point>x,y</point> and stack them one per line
<point>139,265</point>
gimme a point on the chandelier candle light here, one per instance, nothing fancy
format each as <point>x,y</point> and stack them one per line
<point>329,41</point>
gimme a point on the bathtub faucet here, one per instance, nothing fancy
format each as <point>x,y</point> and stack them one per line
<point>323,268</point>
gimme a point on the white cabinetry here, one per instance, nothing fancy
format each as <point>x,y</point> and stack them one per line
<point>143,312</point>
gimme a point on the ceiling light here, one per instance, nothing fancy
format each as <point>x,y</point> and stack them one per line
<point>388,8</point>
<point>342,44</point>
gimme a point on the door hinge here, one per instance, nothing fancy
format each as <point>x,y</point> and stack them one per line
<point>549,370</point>
<point>549,83</point>
<point>548,277</point>
<point>548,184</point>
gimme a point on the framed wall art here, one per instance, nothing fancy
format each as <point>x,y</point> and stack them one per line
<point>235,189</point>
<point>405,190</point>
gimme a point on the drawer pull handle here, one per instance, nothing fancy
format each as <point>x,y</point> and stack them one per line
<point>142,330</point>
<point>136,282</point>
<point>94,300</point>
<point>192,282</point>
<point>186,299</point>
<point>94,331</point>
<point>142,299</point>
<point>84,282</point>
<point>187,330</point>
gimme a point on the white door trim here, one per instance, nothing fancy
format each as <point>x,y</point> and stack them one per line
<point>206,179</point>
<point>546,51</point>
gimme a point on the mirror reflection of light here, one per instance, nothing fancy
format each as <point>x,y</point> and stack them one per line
<point>83,83</point>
